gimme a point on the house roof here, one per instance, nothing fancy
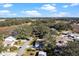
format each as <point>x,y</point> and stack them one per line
<point>40,39</point>
<point>42,53</point>
<point>10,38</point>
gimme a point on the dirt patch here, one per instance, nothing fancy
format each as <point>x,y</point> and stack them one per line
<point>6,30</point>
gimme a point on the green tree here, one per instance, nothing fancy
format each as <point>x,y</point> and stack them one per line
<point>62,26</point>
<point>71,50</point>
<point>40,30</point>
<point>22,32</point>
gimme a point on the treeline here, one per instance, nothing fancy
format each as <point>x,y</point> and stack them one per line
<point>47,20</point>
<point>10,22</point>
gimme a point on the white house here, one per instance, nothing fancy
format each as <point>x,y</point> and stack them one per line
<point>9,41</point>
<point>42,53</point>
<point>40,39</point>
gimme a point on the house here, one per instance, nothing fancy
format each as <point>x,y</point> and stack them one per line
<point>74,36</point>
<point>9,41</point>
<point>42,53</point>
<point>38,44</point>
<point>66,32</point>
<point>66,37</point>
<point>62,41</point>
<point>40,40</point>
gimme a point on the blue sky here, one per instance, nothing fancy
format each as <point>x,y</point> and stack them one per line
<point>39,10</point>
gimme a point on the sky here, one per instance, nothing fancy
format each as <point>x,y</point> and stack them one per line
<point>39,10</point>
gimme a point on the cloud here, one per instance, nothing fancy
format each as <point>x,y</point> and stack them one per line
<point>63,14</point>
<point>49,7</point>
<point>6,13</point>
<point>7,5</point>
<point>12,14</point>
<point>3,12</point>
<point>32,13</point>
<point>54,4</point>
<point>71,5</point>
<point>74,4</point>
<point>60,14</point>
<point>65,6</point>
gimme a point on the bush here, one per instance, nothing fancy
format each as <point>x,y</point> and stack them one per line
<point>12,49</point>
<point>29,49</point>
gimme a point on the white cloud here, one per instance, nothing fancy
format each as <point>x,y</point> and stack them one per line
<point>49,7</point>
<point>60,14</point>
<point>63,14</point>
<point>7,5</point>
<point>6,13</point>
<point>3,12</point>
<point>71,5</point>
<point>32,13</point>
<point>74,4</point>
<point>65,6</point>
<point>54,4</point>
<point>12,14</point>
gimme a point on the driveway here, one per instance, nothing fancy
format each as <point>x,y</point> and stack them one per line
<point>22,48</point>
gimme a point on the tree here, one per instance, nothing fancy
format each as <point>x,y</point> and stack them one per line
<point>62,26</point>
<point>1,37</point>
<point>22,32</point>
<point>2,48</point>
<point>71,50</point>
<point>50,44</point>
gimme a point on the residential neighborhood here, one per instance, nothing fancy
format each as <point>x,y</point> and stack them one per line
<point>37,39</point>
<point>39,29</point>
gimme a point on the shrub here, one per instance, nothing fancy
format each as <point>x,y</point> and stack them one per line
<point>13,48</point>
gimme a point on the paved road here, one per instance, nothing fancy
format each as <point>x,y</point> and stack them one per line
<point>22,48</point>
